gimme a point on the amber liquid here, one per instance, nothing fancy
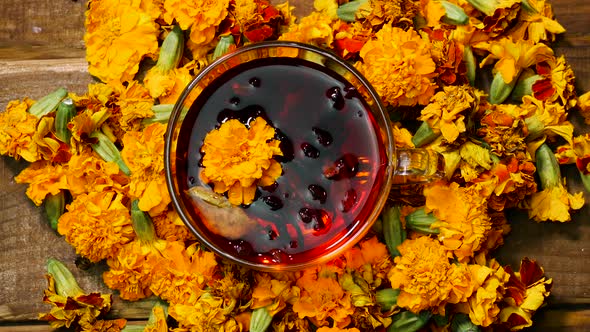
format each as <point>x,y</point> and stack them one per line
<point>333,159</point>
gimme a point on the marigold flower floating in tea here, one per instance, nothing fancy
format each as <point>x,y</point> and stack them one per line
<point>97,166</point>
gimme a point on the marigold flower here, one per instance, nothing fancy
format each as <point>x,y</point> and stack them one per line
<point>513,56</point>
<point>97,225</point>
<point>316,28</point>
<point>208,313</point>
<point>447,109</point>
<point>554,204</point>
<point>237,159</point>
<point>201,17</point>
<point>557,84</point>
<point>86,173</point>
<point>322,297</point>
<point>143,152</point>
<point>525,293</point>
<point>183,274</point>
<point>43,178</point>
<point>394,12</point>
<point>170,227</point>
<point>17,128</point>
<point>482,306</point>
<point>255,20</point>
<point>463,220</point>
<point>424,275</point>
<point>399,65</point>
<point>546,119</point>
<point>71,306</point>
<point>273,294</point>
<point>337,329</point>
<point>449,56</point>
<point>536,22</point>
<point>349,38</point>
<point>118,36</point>
<point>504,130</point>
<point>134,104</point>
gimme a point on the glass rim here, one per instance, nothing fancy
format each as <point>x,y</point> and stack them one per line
<point>341,246</point>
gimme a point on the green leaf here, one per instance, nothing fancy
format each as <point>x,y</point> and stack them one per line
<point>49,103</point>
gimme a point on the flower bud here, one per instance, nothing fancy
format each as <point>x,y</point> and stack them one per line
<point>66,110</point>
<point>142,223</point>
<point>547,167</point>
<point>386,298</point>
<point>421,221</point>
<point>260,320</point>
<point>393,232</point>
<point>500,90</point>
<point>54,207</point>
<point>171,50</point>
<point>65,283</point>
<point>224,46</point>
<point>424,135</point>
<point>454,14</point>
<point>49,103</point>
<point>108,151</point>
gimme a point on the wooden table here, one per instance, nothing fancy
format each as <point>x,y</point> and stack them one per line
<point>41,49</point>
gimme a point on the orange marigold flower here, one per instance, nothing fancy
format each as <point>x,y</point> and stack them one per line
<point>43,178</point>
<point>170,227</point>
<point>349,38</point>
<point>118,36</point>
<point>322,298</point>
<point>208,313</point>
<point>86,172</point>
<point>237,159</point>
<point>546,119</point>
<point>513,56</point>
<point>337,329</point>
<point>399,65</point>
<point>370,257</point>
<point>537,23</point>
<point>447,109</point>
<point>167,86</point>
<point>17,128</point>
<point>97,225</point>
<point>183,274</point>
<point>201,17</point>
<point>143,152</point>
<point>274,294</point>
<point>130,271</point>
<point>424,275</point>
<point>395,12</point>
<point>482,306</point>
<point>558,83</point>
<point>526,291</point>
<point>135,104</point>
<point>463,220</point>
<point>316,28</point>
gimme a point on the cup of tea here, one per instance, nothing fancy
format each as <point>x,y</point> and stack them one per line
<point>334,157</point>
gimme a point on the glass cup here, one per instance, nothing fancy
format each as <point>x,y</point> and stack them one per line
<point>310,232</point>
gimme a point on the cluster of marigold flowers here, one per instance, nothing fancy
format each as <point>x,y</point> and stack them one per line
<point>475,80</point>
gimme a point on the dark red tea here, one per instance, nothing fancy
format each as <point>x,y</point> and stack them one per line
<point>333,158</point>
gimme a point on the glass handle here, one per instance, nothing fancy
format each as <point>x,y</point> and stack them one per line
<point>415,166</point>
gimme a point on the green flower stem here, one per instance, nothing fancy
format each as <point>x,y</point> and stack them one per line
<point>108,151</point>
<point>547,167</point>
<point>421,221</point>
<point>49,103</point>
<point>393,233</point>
<point>54,207</point>
<point>424,135</point>
<point>386,298</point>
<point>142,224</point>
<point>65,283</point>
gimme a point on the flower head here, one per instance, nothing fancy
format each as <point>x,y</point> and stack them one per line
<point>118,36</point>
<point>143,152</point>
<point>315,28</point>
<point>238,158</point>
<point>399,65</point>
<point>97,225</point>
<point>43,178</point>
<point>134,104</point>
<point>17,128</point>
<point>274,294</point>
<point>86,172</point>
<point>170,227</point>
<point>537,23</point>
<point>554,204</point>
<point>557,84</point>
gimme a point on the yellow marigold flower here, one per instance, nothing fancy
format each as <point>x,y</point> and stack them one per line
<point>118,36</point>
<point>316,28</point>
<point>170,227</point>
<point>554,204</point>
<point>337,329</point>
<point>546,119</point>
<point>378,12</point>
<point>371,259</point>
<point>97,225</point>
<point>433,11</point>
<point>423,275</point>
<point>208,313</point>
<point>513,56</point>
<point>167,86</point>
<point>326,7</point>
<point>558,83</point>
<point>135,104</point>
<point>17,128</point>
<point>43,178</point>
<point>143,152</point>
<point>202,17</point>
<point>322,298</point>
<point>237,159</point>
<point>482,306</point>
<point>184,273</point>
<point>114,325</point>
<point>130,271</point>
<point>399,65</point>
<point>537,23</point>
<point>463,220</point>
<point>86,173</point>
<point>447,109</point>
<point>526,291</point>
<point>274,294</point>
